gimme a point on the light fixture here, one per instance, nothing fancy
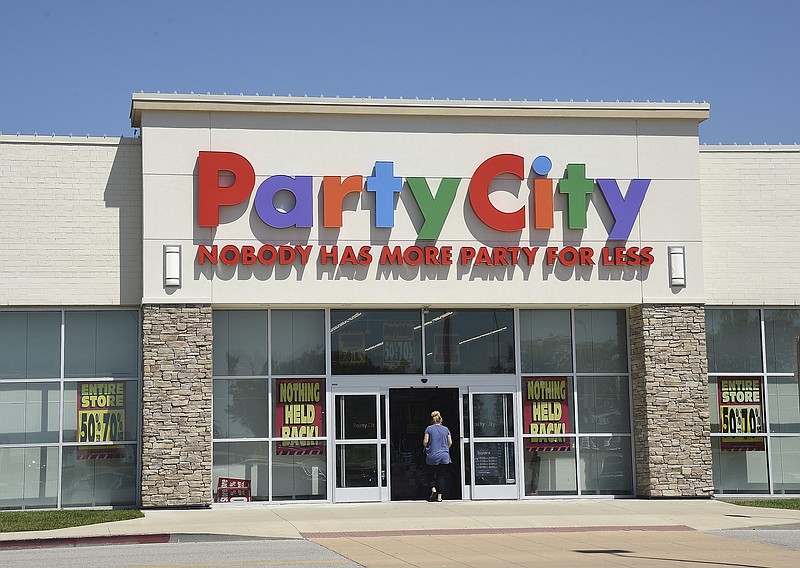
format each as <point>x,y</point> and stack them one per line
<point>345,322</point>
<point>488,333</point>
<point>172,265</point>
<point>677,266</point>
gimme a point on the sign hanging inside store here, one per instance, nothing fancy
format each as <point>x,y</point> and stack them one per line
<point>545,413</point>
<point>741,413</point>
<point>101,418</point>
<point>299,416</point>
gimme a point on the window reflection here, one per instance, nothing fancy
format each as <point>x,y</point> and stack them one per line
<point>240,342</point>
<point>601,344</point>
<point>298,342</point>
<point>469,341</point>
<point>546,341</point>
<point>733,341</point>
<point>606,465</point>
<point>375,342</point>
<point>240,408</point>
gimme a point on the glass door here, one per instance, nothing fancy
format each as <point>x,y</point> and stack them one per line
<point>360,446</point>
<point>493,459</point>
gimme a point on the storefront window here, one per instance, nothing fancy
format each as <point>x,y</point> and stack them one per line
<point>739,470</point>
<point>298,342</point>
<point>545,341</point>
<point>240,408</point>
<point>549,471</point>
<point>784,404</point>
<point>29,478</point>
<point>101,481</point>
<point>753,413</point>
<point>30,345</point>
<point>375,342</point>
<point>98,447</point>
<point>606,465</point>
<point>29,413</point>
<point>284,417</point>
<point>469,341</point>
<point>733,341</point>
<point>299,472</point>
<point>242,461</point>
<point>786,464</point>
<point>601,341</point>
<point>782,340</point>
<point>603,405</point>
<point>101,344</point>
<point>240,343</point>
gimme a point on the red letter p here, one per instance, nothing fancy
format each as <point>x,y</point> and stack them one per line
<point>210,196</point>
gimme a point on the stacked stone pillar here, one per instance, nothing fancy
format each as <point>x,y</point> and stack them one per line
<point>672,431</point>
<point>176,406</point>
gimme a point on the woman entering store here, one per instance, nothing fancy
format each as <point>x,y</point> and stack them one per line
<point>437,442</point>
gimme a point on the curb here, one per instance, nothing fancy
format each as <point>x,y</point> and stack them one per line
<point>128,539</point>
<point>84,541</point>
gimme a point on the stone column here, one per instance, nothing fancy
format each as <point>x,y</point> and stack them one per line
<point>176,406</point>
<point>672,430</point>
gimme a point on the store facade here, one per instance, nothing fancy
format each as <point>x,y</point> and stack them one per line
<point>278,291</point>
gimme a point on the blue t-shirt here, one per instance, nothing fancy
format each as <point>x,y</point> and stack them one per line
<point>437,452</point>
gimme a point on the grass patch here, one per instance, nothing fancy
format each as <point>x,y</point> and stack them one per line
<point>20,521</point>
<point>793,503</point>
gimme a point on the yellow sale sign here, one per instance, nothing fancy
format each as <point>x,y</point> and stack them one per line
<point>101,418</point>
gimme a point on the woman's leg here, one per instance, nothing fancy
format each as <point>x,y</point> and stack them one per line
<point>440,474</point>
<point>431,470</point>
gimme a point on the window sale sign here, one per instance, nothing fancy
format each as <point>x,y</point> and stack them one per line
<point>299,415</point>
<point>741,412</point>
<point>101,418</point>
<point>545,413</point>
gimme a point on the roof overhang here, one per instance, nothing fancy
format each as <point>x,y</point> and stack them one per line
<point>142,102</point>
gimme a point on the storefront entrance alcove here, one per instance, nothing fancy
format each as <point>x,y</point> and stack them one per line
<point>409,414</point>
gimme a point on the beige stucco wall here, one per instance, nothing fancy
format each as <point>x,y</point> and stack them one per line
<point>434,147</point>
<point>70,221</point>
<point>750,211</point>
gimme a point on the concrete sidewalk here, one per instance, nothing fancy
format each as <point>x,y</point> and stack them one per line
<point>623,531</point>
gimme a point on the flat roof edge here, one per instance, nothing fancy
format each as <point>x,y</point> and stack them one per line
<point>63,139</point>
<point>414,107</point>
<point>750,148</point>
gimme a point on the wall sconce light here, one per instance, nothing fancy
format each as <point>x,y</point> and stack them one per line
<point>677,266</point>
<point>172,265</point>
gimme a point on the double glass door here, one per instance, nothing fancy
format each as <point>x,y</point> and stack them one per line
<point>487,462</point>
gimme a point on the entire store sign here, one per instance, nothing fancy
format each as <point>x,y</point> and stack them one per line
<point>435,209</point>
<point>741,414</point>
<point>101,418</point>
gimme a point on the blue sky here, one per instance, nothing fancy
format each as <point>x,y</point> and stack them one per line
<point>70,67</point>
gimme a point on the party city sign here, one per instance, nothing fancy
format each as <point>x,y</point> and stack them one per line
<point>435,208</point>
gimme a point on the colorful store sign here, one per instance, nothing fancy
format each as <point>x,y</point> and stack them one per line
<point>435,208</point>
<point>545,413</point>
<point>101,418</point>
<point>741,412</point>
<point>299,414</point>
